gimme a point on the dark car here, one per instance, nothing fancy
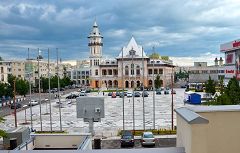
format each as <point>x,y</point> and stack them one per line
<point>110,94</point>
<point>118,93</point>
<point>18,105</point>
<point>137,94</point>
<point>121,95</point>
<point>166,92</point>
<point>127,138</point>
<point>88,90</point>
<point>72,96</point>
<point>145,94</point>
<point>158,92</point>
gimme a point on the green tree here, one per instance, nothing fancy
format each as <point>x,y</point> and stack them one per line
<point>165,58</point>
<point>210,86</point>
<point>1,59</point>
<point>157,82</point>
<point>2,132</point>
<point>3,89</point>
<point>154,56</point>
<point>233,91</point>
<point>22,87</point>
<point>221,85</point>
<point>44,82</point>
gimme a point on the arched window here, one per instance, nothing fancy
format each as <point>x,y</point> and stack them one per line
<point>126,70</point>
<point>96,72</point>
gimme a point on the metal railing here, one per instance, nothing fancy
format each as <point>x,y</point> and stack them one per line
<point>83,144</point>
<point>25,144</point>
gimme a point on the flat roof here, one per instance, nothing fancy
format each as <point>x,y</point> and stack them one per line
<point>190,116</point>
<point>219,108</point>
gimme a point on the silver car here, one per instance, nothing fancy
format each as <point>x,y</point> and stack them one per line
<point>148,139</point>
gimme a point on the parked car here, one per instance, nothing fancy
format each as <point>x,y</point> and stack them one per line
<point>121,94</point>
<point>118,93</point>
<point>148,139</point>
<point>88,90</point>
<point>129,94</point>
<point>145,94</point>
<point>127,138</point>
<point>166,92</point>
<point>137,94</point>
<point>18,105</point>
<point>114,95</point>
<point>158,92</point>
<point>83,93</point>
<point>33,103</point>
<point>72,96</point>
<point>110,94</point>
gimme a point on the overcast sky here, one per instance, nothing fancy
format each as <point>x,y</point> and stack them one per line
<point>185,30</point>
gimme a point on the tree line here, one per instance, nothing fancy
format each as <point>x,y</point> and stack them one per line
<point>22,86</point>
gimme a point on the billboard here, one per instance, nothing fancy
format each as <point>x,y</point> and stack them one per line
<point>233,45</point>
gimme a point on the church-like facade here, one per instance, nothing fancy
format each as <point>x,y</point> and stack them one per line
<point>132,68</point>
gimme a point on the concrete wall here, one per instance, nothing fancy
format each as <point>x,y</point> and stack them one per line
<point>184,134</point>
<point>220,135</point>
<point>58,141</point>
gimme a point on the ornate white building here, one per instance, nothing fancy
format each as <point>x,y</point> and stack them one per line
<point>130,69</point>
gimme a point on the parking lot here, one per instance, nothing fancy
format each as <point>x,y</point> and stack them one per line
<point>113,121</point>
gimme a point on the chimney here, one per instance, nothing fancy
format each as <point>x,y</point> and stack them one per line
<point>216,61</point>
<point>221,62</point>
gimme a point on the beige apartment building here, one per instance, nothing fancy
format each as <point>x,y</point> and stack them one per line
<point>3,73</point>
<point>24,68</point>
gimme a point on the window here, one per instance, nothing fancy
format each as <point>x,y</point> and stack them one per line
<point>155,71</point>
<point>132,69</point>
<point>160,71</point>
<point>138,70</point>
<point>149,71</point>
<point>96,72</point>
<point>126,70</point>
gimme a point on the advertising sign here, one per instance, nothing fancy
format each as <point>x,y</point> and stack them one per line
<point>230,71</point>
<point>233,45</point>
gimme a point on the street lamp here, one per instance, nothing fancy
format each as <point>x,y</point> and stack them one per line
<point>132,52</point>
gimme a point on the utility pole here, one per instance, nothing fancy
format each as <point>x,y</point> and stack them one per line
<point>132,72</point>
<point>153,86</point>
<point>172,98</point>
<point>60,114</point>
<point>30,89</point>
<point>123,94</point>
<point>15,109</point>
<point>49,92</point>
<point>39,89</point>
<point>143,91</point>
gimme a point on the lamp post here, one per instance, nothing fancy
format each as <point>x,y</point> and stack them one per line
<point>143,91</point>
<point>172,97</point>
<point>123,94</point>
<point>15,109</point>
<point>132,52</point>
<point>153,86</point>
<point>39,89</point>
<point>60,114</point>
<point>30,89</point>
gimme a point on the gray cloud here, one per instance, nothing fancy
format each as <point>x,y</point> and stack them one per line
<point>179,28</point>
